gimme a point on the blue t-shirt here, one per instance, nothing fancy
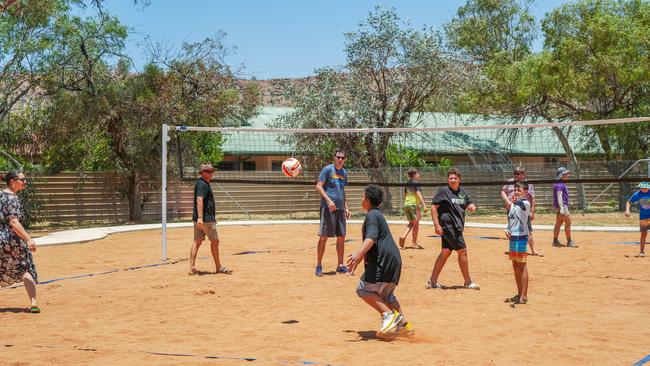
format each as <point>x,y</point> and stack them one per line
<point>644,204</point>
<point>335,180</point>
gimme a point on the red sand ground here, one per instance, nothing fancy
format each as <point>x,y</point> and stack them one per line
<point>587,305</point>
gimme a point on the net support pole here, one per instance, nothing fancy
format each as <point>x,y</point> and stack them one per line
<point>163,189</point>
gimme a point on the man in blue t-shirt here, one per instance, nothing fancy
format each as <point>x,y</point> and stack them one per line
<point>333,210</point>
<point>642,196</point>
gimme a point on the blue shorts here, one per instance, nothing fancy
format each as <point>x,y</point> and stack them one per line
<point>518,248</point>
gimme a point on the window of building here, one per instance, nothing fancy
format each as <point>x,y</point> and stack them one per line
<point>249,165</point>
<point>276,165</point>
<point>228,165</point>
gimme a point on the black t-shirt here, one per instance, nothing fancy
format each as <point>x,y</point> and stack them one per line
<point>412,186</point>
<point>452,205</point>
<point>383,262</point>
<point>203,189</point>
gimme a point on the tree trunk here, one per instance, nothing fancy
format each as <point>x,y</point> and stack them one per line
<point>575,165</point>
<point>134,196</point>
<point>379,177</point>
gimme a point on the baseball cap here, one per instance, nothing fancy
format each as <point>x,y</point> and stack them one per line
<point>644,185</point>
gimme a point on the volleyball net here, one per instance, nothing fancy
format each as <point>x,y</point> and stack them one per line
<point>249,180</point>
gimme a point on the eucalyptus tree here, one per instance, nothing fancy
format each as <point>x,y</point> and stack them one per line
<point>391,73</point>
<point>106,116</point>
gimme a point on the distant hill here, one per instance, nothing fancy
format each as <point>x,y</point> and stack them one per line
<point>273,90</point>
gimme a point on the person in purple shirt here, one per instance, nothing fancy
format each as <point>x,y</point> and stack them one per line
<point>561,205</point>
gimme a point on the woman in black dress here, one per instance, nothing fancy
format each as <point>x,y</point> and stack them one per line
<point>16,245</point>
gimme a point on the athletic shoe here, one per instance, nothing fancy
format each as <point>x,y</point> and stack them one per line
<point>388,322</point>
<point>434,285</point>
<point>472,286</point>
<point>641,255</point>
<point>319,271</point>
<point>556,243</point>
<point>405,329</point>
<point>342,269</point>
<point>571,244</point>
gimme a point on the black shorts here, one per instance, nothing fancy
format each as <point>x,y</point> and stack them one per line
<point>331,223</point>
<point>452,239</point>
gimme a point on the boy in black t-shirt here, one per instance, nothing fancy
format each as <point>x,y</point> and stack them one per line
<point>383,264</point>
<point>448,213</point>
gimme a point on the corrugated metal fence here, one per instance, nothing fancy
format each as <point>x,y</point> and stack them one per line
<point>98,196</point>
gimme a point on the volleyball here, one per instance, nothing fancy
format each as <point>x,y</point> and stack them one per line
<point>291,167</point>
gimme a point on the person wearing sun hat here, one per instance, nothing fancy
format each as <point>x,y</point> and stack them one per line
<point>642,196</point>
<point>205,220</point>
<point>561,205</point>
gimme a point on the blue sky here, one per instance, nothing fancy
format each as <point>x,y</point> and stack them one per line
<point>274,38</point>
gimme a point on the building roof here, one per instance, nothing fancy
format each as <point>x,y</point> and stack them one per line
<point>538,141</point>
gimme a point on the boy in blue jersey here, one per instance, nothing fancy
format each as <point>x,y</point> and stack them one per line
<point>333,210</point>
<point>642,196</point>
<point>519,211</point>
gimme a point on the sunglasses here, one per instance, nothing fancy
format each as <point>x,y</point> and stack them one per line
<point>21,179</point>
<point>519,173</point>
<point>340,157</point>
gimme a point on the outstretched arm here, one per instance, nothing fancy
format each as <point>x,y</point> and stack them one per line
<point>358,255</point>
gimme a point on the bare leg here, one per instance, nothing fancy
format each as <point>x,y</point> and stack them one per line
<point>524,281</point>
<point>193,251</point>
<point>320,251</point>
<point>517,272</point>
<point>30,286</point>
<point>567,227</point>
<point>531,242</point>
<point>559,219</point>
<point>416,229</point>
<point>463,262</point>
<point>214,248</point>
<point>402,238</point>
<point>377,303</point>
<point>440,263</point>
<point>340,249</point>
<point>644,235</point>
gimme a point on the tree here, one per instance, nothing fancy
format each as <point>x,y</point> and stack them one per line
<point>498,36</point>
<point>105,116</point>
<point>598,56</point>
<point>489,29</point>
<point>598,59</point>
<point>391,72</point>
<point>26,40</point>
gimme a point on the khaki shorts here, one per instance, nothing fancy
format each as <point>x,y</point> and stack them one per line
<point>208,228</point>
<point>644,225</point>
<point>385,290</point>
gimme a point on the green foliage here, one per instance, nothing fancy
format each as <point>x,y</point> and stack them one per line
<point>489,29</point>
<point>444,165</point>
<point>598,56</point>
<point>391,72</point>
<point>403,156</point>
<point>32,204</point>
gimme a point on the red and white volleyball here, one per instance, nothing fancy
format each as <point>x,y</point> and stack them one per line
<point>291,167</point>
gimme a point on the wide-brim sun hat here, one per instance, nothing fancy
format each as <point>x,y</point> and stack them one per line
<point>206,168</point>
